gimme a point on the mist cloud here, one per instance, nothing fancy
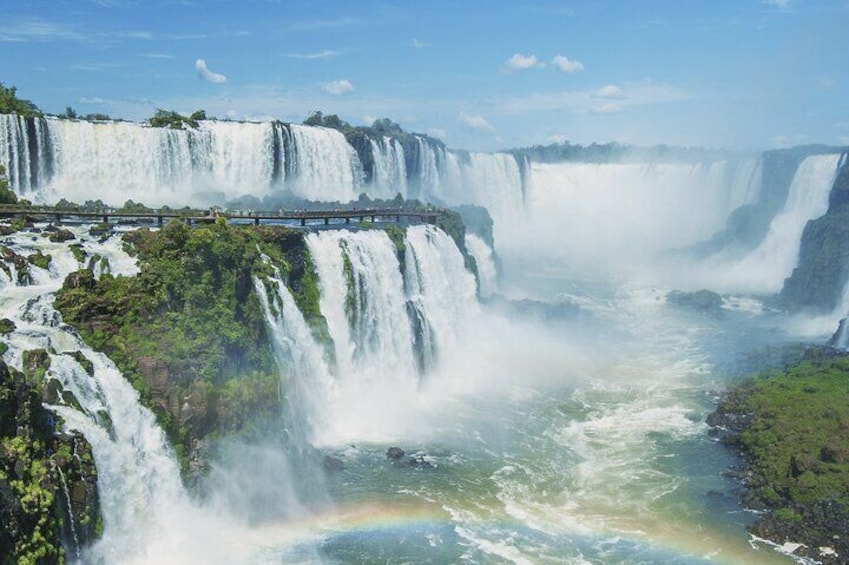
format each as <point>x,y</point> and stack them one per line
<point>208,75</point>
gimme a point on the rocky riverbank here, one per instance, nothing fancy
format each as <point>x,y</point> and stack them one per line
<point>791,429</point>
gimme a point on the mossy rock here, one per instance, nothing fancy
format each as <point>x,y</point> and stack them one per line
<point>40,259</point>
<point>36,362</point>
<point>7,326</point>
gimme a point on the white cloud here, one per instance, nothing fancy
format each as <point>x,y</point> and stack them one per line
<point>206,74</point>
<point>610,92</point>
<point>338,87</point>
<point>37,30</point>
<point>608,99</point>
<point>566,65</point>
<point>326,54</point>
<point>95,100</point>
<point>606,108</point>
<point>519,62</point>
<point>477,123</point>
<point>778,3</point>
<point>416,44</point>
<point>557,138</point>
<point>156,55</point>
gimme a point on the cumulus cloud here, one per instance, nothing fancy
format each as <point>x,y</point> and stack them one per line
<point>519,62</point>
<point>438,133</point>
<point>566,65</point>
<point>477,123</point>
<point>338,87</point>
<point>94,100</point>
<point>416,44</point>
<point>610,92</point>
<point>206,74</point>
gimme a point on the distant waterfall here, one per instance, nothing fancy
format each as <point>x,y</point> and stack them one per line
<point>631,211</point>
<point>237,154</point>
<point>765,268</point>
<point>390,171</point>
<point>482,254</point>
<point>325,166</point>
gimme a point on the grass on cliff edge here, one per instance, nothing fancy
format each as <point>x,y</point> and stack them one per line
<point>798,439</point>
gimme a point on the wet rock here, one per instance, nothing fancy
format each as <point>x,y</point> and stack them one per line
<point>61,235</point>
<point>332,464</point>
<point>394,453</point>
<point>7,326</point>
<point>703,300</point>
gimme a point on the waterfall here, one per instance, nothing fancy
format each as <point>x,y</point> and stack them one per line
<point>630,211</point>
<point>429,182</point>
<point>138,475</point>
<point>147,515</point>
<point>362,298</point>
<point>390,172</point>
<point>25,152</point>
<point>483,256</point>
<point>438,285</point>
<point>765,268</point>
<point>238,154</point>
<point>117,161</point>
<point>326,166</point>
<point>306,381</point>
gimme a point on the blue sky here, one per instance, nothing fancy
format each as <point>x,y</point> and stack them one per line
<point>480,75</point>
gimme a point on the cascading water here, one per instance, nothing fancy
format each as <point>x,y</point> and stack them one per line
<point>144,507</point>
<point>25,152</point>
<point>237,155</point>
<point>326,166</point>
<point>306,379</point>
<point>390,172</point>
<point>765,268</point>
<point>440,288</point>
<point>483,256</point>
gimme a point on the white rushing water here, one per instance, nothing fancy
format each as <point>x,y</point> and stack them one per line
<point>390,169</point>
<point>147,515</point>
<point>483,256</point>
<point>765,268</point>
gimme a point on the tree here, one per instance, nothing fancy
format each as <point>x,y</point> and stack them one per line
<point>70,113</point>
<point>329,121</point>
<point>198,115</point>
<point>11,104</point>
<point>171,119</point>
<point>386,126</point>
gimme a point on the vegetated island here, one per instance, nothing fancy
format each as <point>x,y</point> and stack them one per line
<point>791,427</point>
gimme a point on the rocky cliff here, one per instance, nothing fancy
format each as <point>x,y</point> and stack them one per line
<point>823,269</point>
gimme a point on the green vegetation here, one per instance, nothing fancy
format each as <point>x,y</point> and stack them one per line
<point>793,429</point>
<point>189,331</point>
<point>799,436</point>
<point>7,195</point>
<point>173,120</point>
<point>11,104</point>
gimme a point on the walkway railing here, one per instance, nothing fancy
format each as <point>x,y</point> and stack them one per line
<point>324,217</point>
